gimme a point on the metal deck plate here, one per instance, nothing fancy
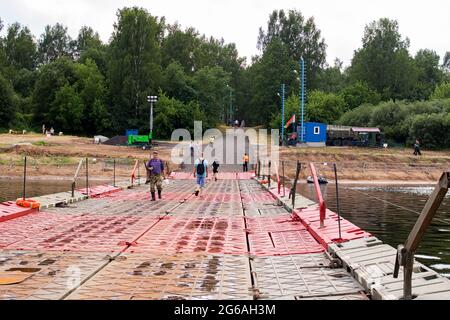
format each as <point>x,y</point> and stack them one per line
<point>171,277</point>
<point>48,275</point>
<point>94,233</point>
<point>284,278</point>
<point>191,234</point>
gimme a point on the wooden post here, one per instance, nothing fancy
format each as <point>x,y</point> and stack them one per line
<point>24,178</point>
<point>405,254</point>
<point>114,173</point>
<point>87,177</point>
<point>284,186</point>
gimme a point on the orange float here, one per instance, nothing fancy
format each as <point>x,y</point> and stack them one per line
<point>28,203</point>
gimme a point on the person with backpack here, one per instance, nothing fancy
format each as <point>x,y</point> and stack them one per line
<point>215,167</point>
<point>201,172</point>
<point>155,168</point>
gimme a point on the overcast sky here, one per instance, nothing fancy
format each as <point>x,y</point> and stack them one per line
<point>426,23</point>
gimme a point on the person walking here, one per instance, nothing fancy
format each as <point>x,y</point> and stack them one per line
<point>245,160</point>
<point>417,148</point>
<point>215,166</point>
<point>201,172</point>
<point>192,149</point>
<point>156,168</point>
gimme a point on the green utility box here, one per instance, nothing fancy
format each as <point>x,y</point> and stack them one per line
<point>135,139</point>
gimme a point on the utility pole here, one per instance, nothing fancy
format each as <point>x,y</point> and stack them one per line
<point>302,99</point>
<point>230,113</point>
<point>151,99</point>
<point>231,106</point>
<point>283,91</point>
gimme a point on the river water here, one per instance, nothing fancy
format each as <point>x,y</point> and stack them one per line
<point>11,189</point>
<point>387,212</point>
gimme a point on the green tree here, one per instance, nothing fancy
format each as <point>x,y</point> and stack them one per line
<point>357,94</point>
<point>91,88</point>
<point>51,77</point>
<point>210,85</point>
<point>87,38</point>
<point>7,107</point>
<point>442,91</point>
<point>20,47</point>
<point>331,79</point>
<point>324,107</point>
<point>177,84</point>
<point>173,114</point>
<point>430,74</point>
<point>54,43</point>
<point>179,46</point>
<point>383,62</point>
<point>134,65</point>
<point>66,111</point>
<point>446,62</point>
<point>301,37</point>
<point>266,74</point>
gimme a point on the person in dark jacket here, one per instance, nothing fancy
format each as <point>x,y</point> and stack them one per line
<point>215,166</point>
<point>155,168</point>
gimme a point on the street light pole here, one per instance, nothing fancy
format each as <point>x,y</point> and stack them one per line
<point>151,99</point>
<point>231,106</point>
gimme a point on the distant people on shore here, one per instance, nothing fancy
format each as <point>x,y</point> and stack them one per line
<point>417,148</point>
<point>43,129</point>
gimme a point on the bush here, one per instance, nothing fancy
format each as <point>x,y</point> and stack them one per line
<point>403,122</point>
<point>442,91</point>
<point>433,130</point>
<point>358,117</point>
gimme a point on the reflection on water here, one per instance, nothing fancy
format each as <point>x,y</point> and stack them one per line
<point>389,213</point>
<point>11,189</point>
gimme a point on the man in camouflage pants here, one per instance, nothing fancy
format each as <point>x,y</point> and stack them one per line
<point>155,167</point>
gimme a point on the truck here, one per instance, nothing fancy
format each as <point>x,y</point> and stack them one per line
<point>354,136</point>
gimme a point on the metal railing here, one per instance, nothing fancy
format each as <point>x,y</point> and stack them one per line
<point>322,205</point>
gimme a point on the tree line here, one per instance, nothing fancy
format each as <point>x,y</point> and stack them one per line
<point>85,86</point>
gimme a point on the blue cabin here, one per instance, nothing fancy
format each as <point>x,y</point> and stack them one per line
<point>315,134</point>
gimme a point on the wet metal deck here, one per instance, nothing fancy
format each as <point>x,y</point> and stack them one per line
<point>234,242</point>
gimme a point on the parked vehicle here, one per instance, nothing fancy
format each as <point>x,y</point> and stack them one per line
<point>354,136</point>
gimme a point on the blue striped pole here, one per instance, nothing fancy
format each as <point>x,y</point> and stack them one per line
<point>302,99</point>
